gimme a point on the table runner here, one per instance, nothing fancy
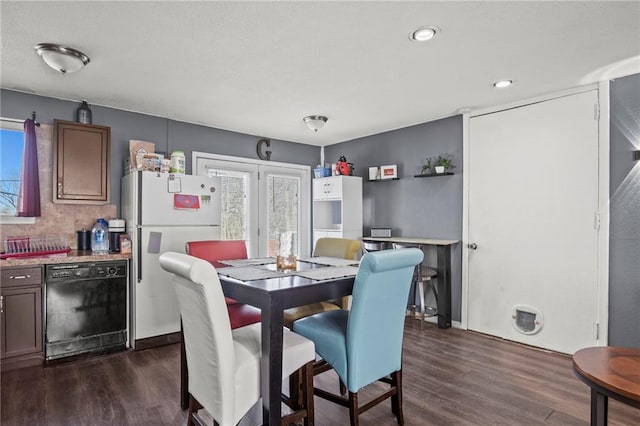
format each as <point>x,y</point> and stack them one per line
<point>320,274</point>
<point>329,261</point>
<point>250,273</point>
<point>249,262</point>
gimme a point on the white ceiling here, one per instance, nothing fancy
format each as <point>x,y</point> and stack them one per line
<point>260,67</point>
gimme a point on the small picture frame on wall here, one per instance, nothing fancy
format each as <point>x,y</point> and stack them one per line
<point>389,172</point>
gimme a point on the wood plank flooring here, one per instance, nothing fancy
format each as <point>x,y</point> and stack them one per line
<point>451,377</point>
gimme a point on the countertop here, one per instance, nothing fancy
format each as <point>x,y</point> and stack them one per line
<point>413,240</point>
<point>72,257</point>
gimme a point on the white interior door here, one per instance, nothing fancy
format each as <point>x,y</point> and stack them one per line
<point>261,201</point>
<point>533,209</point>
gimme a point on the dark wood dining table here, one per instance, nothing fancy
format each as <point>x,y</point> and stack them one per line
<point>273,296</point>
<point>609,371</point>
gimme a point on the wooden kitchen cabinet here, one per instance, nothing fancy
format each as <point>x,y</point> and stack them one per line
<point>21,322</point>
<point>81,169</point>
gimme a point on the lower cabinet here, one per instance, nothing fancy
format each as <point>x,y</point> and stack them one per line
<point>21,309</point>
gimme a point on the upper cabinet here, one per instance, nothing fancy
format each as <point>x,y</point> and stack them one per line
<point>330,187</point>
<point>81,169</point>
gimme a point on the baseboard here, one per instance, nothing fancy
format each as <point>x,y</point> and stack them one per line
<point>155,341</point>
<point>434,320</point>
<point>14,363</point>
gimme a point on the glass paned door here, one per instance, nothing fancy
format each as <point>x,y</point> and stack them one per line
<point>263,204</point>
<point>239,218</point>
<point>235,210</point>
<point>282,214</point>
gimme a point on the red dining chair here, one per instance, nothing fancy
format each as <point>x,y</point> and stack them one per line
<point>213,251</point>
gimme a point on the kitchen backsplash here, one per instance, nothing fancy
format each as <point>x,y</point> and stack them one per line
<point>56,219</point>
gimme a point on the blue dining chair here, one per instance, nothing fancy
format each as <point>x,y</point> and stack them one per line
<point>364,344</point>
<point>343,248</point>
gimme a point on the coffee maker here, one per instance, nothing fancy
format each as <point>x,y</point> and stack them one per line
<point>116,228</point>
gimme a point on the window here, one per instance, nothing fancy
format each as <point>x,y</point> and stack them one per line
<point>11,148</point>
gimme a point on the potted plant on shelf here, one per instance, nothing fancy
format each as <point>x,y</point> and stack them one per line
<point>427,167</point>
<point>443,163</point>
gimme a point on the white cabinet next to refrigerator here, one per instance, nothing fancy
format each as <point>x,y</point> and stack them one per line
<point>337,207</point>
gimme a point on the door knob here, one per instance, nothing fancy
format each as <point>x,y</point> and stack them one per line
<point>472,246</point>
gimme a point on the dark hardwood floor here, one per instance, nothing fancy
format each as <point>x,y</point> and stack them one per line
<point>451,377</point>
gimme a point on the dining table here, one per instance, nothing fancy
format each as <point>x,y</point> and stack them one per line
<point>259,283</point>
<point>443,260</point>
<point>610,372</point>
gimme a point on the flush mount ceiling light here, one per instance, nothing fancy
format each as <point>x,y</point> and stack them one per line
<point>62,58</point>
<point>315,122</point>
<point>502,84</point>
<point>423,33</point>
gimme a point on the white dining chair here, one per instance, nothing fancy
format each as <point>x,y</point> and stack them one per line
<point>224,364</point>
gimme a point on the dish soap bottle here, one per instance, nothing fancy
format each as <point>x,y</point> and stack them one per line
<point>99,238</point>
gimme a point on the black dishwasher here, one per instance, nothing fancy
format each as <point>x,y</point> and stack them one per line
<point>85,308</point>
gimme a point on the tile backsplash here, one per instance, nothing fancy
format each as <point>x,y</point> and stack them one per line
<point>56,219</point>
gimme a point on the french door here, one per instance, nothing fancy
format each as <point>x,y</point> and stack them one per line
<point>264,203</point>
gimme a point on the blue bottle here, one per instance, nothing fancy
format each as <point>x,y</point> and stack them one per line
<point>100,237</point>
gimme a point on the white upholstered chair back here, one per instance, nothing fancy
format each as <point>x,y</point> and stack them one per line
<point>208,339</point>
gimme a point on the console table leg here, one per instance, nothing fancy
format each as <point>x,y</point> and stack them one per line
<point>599,408</point>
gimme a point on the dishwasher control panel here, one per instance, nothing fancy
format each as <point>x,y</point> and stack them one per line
<point>85,271</point>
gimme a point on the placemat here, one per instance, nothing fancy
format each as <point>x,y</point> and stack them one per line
<point>249,262</point>
<point>320,274</point>
<point>329,261</point>
<point>250,273</point>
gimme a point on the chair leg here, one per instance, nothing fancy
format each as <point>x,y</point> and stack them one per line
<point>307,393</point>
<point>422,305</point>
<point>194,406</point>
<point>434,288</point>
<point>353,409</point>
<point>343,388</point>
<point>295,381</point>
<point>396,400</point>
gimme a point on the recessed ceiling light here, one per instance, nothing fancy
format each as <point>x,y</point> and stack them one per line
<point>502,84</point>
<point>423,33</point>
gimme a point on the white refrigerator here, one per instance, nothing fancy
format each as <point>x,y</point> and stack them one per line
<point>162,212</point>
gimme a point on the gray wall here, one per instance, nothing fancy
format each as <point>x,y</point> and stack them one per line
<point>624,240</point>
<point>413,207</point>
<point>167,134</point>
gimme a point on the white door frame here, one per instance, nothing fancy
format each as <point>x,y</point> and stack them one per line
<point>603,199</point>
<point>305,191</point>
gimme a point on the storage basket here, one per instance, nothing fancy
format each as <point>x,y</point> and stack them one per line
<point>322,172</point>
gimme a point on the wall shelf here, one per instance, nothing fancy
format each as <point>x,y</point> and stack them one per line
<point>434,174</point>
<point>382,180</point>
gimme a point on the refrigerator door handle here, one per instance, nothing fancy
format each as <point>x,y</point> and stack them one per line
<point>139,251</point>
